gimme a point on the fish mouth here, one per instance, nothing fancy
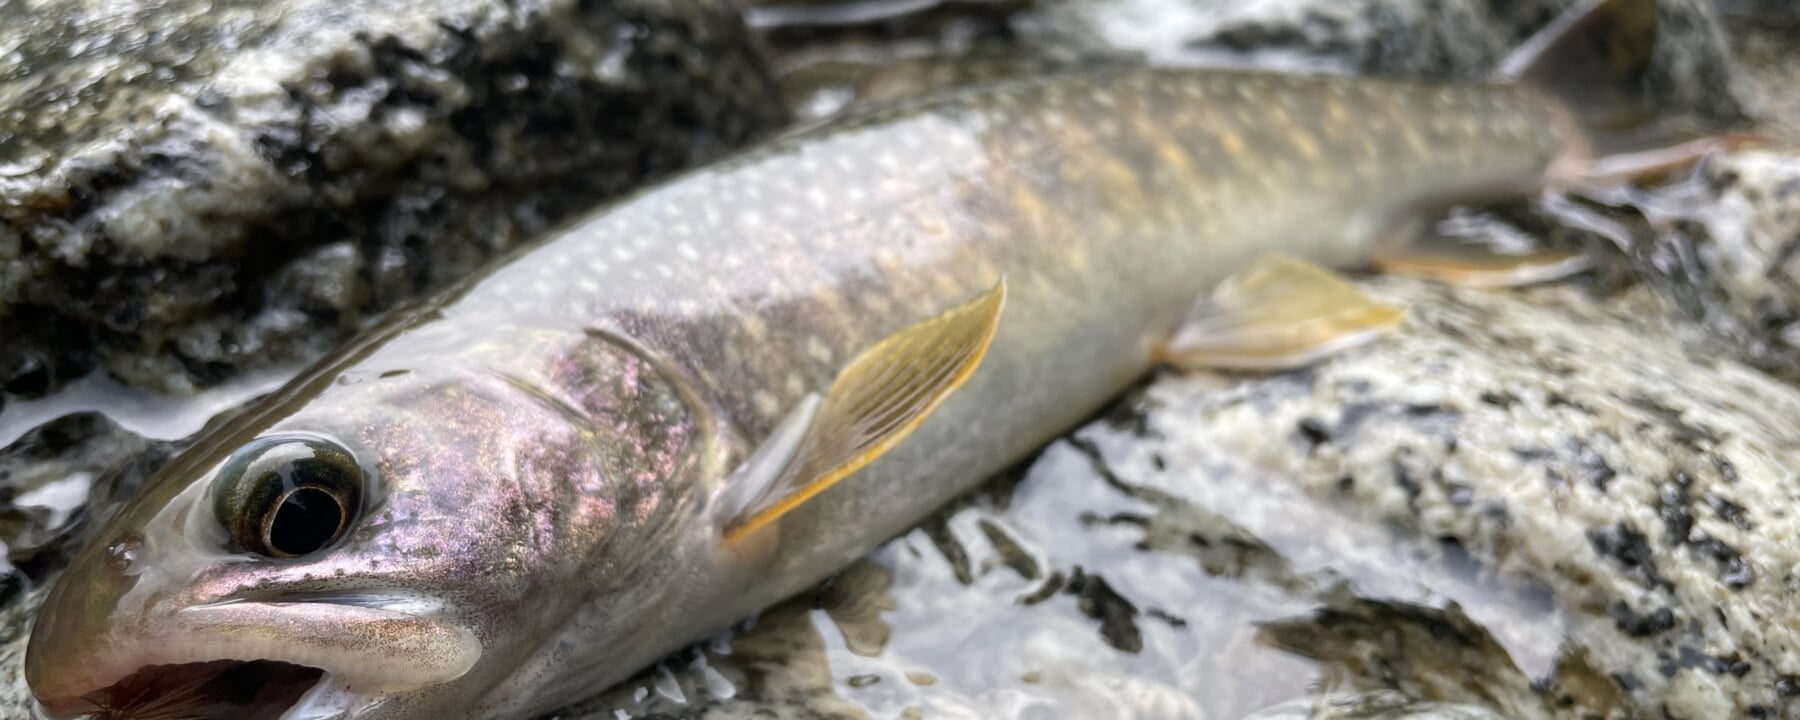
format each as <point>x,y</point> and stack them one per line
<point>253,660</point>
<point>217,690</point>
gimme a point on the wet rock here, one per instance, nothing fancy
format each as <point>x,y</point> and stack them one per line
<point>15,631</point>
<point>1752,239</point>
<point>189,189</point>
<point>1721,248</point>
<point>1774,80</point>
<point>1514,485</point>
<point>1693,69</point>
<point>54,476</point>
<point>1381,705</point>
<point>1768,13</point>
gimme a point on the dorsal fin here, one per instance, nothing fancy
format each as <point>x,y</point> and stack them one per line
<point>875,402</point>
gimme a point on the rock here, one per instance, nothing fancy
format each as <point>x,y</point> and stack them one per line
<point>189,189</point>
<point>1721,247</point>
<point>1767,13</point>
<point>1383,705</point>
<point>1693,69</point>
<point>57,474</point>
<point>15,631</point>
<point>1526,504</point>
<point>1767,50</point>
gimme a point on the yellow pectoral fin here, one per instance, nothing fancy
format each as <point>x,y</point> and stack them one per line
<point>1277,314</point>
<point>876,401</point>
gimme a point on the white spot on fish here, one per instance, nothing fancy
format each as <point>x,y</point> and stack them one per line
<point>621,254</point>
<point>818,349</point>
<point>766,403</point>
<point>687,251</point>
<point>796,386</point>
<point>754,327</point>
<point>665,271</point>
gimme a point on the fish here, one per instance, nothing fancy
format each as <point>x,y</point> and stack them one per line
<point>681,408</point>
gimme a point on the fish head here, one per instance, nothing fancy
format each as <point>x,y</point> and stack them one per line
<point>365,550</point>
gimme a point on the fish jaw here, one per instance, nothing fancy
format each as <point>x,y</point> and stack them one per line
<point>172,650</point>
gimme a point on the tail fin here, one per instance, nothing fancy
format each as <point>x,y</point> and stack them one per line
<point>1592,62</point>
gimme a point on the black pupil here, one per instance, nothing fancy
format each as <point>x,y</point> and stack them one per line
<point>307,520</point>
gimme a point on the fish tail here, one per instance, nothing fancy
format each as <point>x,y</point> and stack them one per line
<point>1591,64</point>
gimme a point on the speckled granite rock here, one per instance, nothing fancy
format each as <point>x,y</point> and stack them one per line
<point>189,188</point>
<point>1528,504</point>
<point>15,629</point>
<point>1428,39</point>
<point>1721,248</point>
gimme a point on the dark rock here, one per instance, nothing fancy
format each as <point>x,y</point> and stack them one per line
<point>189,189</point>
<point>1767,13</point>
<point>1693,70</point>
<point>50,479</point>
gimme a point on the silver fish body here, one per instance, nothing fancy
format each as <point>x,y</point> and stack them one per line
<point>547,445</point>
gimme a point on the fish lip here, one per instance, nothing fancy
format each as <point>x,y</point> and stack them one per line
<point>347,631</point>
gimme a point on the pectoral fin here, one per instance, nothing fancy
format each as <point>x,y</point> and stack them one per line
<point>875,402</point>
<point>1477,267</point>
<point>1279,313</point>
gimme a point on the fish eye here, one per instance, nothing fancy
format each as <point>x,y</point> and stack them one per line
<point>288,496</point>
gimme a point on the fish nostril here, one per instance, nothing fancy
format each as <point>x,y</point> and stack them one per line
<point>124,552</point>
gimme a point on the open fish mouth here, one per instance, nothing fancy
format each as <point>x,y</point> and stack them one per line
<point>218,690</point>
<point>249,661</point>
